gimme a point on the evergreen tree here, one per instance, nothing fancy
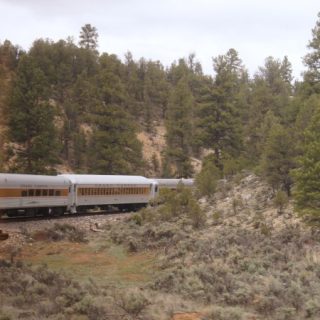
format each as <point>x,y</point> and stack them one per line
<point>220,123</point>
<point>207,178</point>
<point>270,94</point>
<point>114,147</point>
<point>133,79</point>
<point>278,158</point>
<point>179,129</point>
<point>31,120</point>
<point>307,176</point>
<point>312,59</point>
<point>88,37</point>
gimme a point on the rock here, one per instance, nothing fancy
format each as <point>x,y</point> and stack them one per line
<point>3,236</point>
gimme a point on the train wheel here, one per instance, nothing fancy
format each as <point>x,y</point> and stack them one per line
<point>57,212</point>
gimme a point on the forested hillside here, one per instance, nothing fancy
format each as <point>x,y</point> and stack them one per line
<point>66,106</point>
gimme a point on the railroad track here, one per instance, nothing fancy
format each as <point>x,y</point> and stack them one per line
<point>65,216</point>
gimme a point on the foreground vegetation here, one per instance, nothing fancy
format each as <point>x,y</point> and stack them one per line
<point>232,257</point>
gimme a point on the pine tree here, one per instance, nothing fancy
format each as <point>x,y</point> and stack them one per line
<point>220,123</point>
<point>307,176</point>
<point>312,59</point>
<point>88,37</point>
<point>207,178</point>
<point>278,158</point>
<point>31,120</point>
<point>270,94</point>
<point>179,129</point>
<point>114,147</point>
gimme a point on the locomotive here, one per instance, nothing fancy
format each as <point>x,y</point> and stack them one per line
<point>31,195</point>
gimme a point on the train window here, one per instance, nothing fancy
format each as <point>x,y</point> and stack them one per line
<point>45,192</point>
<point>24,193</point>
<point>57,193</point>
<point>31,193</point>
<point>51,192</point>
<point>38,192</point>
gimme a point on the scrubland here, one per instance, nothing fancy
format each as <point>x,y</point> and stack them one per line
<point>237,255</point>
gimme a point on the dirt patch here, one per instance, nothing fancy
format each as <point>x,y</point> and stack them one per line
<point>187,316</point>
<point>153,143</point>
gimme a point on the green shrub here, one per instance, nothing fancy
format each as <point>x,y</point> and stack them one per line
<point>60,232</point>
<point>280,201</point>
<point>132,302</point>
<point>206,180</point>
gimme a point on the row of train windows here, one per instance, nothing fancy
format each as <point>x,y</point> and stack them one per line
<point>112,191</point>
<point>40,193</point>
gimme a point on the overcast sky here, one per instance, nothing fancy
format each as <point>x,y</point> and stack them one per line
<point>167,30</point>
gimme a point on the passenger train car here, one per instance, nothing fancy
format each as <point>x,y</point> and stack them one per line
<point>173,183</point>
<point>29,195</point>
<point>33,194</point>
<point>124,192</point>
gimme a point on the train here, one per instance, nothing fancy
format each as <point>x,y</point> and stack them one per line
<point>42,195</point>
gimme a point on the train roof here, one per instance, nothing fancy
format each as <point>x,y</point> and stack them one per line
<point>15,179</point>
<point>173,182</point>
<point>106,179</point>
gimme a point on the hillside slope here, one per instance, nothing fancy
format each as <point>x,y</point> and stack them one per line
<point>247,261</point>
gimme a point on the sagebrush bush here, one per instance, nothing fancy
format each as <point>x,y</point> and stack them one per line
<point>280,201</point>
<point>177,204</point>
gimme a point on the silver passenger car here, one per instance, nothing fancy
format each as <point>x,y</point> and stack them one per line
<point>173,183</point>
<point>33,194</point>
<point>124,192</point>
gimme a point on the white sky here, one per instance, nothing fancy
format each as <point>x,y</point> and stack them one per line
<point>167,30</point>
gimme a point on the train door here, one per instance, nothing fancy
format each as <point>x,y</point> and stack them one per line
<point>154,190</point>
<point>72,198</point>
